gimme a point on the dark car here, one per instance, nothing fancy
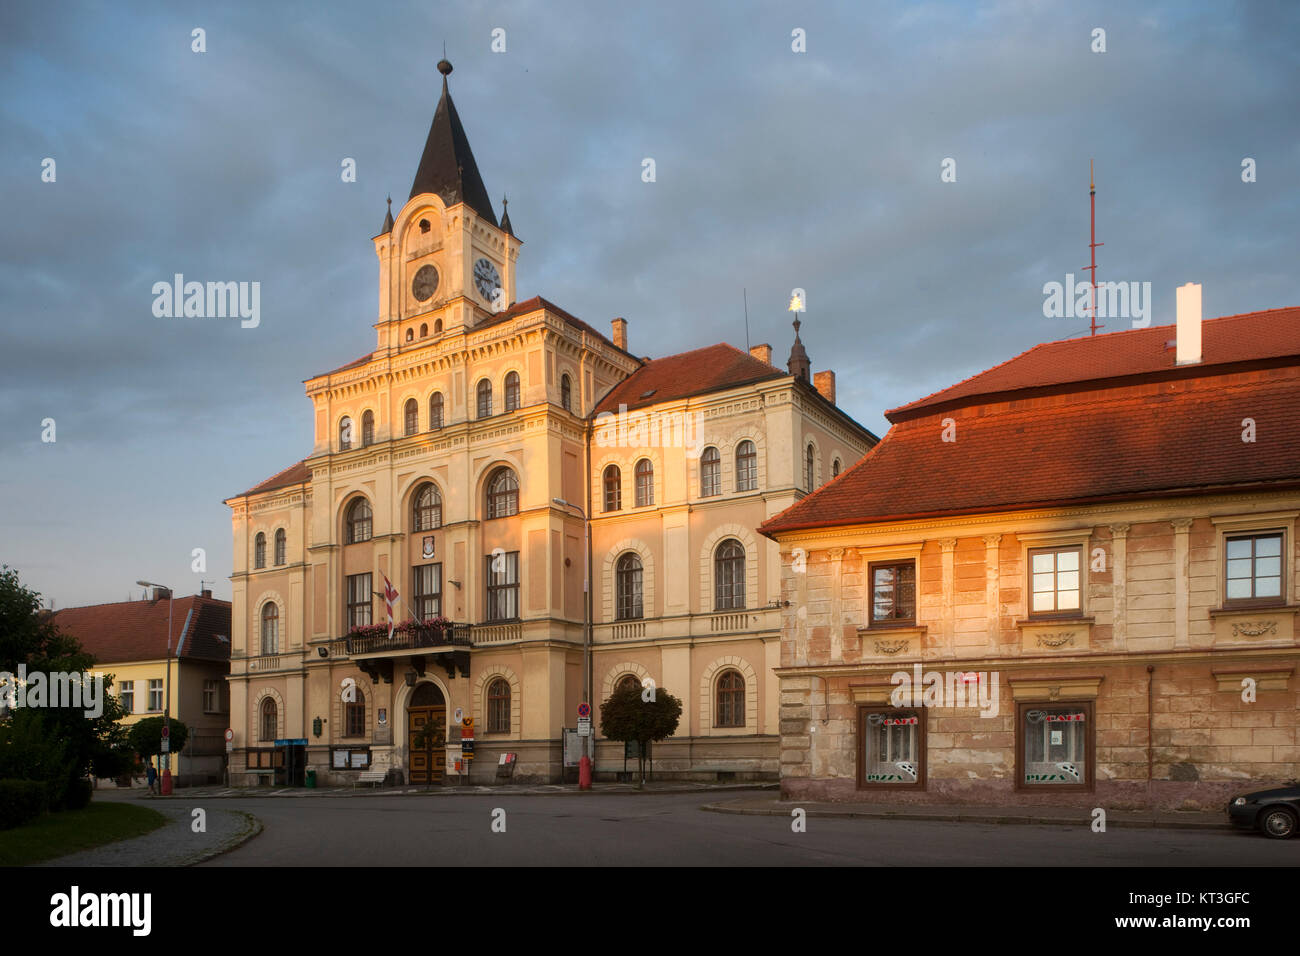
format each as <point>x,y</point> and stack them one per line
<point>1275,813</point>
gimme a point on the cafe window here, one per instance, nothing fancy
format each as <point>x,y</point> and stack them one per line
<point>1054,746</point>
<point>893,593</point>
<point>892,748</point>
<point>1254,569</point>
<point>1054,581</point>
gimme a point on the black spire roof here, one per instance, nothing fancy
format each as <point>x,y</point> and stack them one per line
<point>505,217</point>
<point>447,166</point>
<point>388,219</point>
<point>799,365</point>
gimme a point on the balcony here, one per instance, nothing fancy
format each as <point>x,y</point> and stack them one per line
<point>760,620</point>
<point>425,638</point>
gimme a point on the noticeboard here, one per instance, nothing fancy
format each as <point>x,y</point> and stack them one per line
<point>573,748</point>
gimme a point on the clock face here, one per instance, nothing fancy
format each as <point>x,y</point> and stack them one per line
<point>486,279</point>
<point>425,283</point>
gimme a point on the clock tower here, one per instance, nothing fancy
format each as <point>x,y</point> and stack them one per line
<point>445,263</point>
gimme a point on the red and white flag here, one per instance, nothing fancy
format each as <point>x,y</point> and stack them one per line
<point>390,598</point>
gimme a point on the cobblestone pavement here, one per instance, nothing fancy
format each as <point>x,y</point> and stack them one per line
<point>173,844</point>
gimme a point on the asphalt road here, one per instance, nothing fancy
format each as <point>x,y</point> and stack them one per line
<point>672,830</point>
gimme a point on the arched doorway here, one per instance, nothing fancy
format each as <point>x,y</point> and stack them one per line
<point>428,753</point>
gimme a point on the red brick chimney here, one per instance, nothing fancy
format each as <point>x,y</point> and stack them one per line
<point>824,382</point>
<point>620,333</point>
<point>762,352</point>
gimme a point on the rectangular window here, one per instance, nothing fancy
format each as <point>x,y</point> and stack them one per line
<point>210,697</point>
<point>893,593</point>
<point>428,591</point>
<point>1254,569</point>
<point>359,600</point>
<point>892,748</point>
<point>503,586</point>
<point>1054,746</point>
<point>127,693</point>
<point>1054,582</point>
<point>155,696</point>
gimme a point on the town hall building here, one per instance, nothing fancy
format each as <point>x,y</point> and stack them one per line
<point>555,514</point>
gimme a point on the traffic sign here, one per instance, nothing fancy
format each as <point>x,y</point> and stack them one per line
<point>166,731</point>
<point>166,745</point>
<point>584,709</point>
<point>584,726</point>
<point>230,734</point>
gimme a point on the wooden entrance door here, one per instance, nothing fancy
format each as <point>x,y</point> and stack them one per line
<point>428,762</point>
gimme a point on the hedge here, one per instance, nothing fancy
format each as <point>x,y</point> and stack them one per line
<point>22,801</point>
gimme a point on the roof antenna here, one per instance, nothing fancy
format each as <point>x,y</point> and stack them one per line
<point>1092,247</point>
<point>745,293</point>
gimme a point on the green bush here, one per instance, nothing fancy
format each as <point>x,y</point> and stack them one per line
<point>78,794</point>
<point>21,801</point>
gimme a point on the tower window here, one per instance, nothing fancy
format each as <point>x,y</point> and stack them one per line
<point>424,225</point>
<point>512,391</point>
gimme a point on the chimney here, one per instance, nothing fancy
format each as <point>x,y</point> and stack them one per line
<point>161,594</point>
<point>1189,324</point>
<point>206,592</point>
<point>762,352</point>
<point>824,382</point>
<point>620,333</point>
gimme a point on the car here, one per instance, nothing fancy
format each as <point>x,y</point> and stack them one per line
<point>1275,813</point>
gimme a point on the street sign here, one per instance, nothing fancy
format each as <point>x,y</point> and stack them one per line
<point>467,727</point>
<point>584,726</point>
<point>584,709</point>
<point>230,735</point>
<point>166,745</point>
<point>166,731</point>
<point>467,748</point>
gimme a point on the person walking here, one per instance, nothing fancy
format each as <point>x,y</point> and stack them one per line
<point>153,776</point>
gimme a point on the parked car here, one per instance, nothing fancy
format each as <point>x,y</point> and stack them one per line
<point>1275,813</point>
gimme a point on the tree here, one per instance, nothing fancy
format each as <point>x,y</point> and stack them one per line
<point>57,745</point>
<point>643,715</point>
<point>145,736</point>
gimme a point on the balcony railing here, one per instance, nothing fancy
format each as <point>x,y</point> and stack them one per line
<point>412,638</point>
<point>498,633</point>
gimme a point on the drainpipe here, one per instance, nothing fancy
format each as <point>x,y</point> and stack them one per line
<point>1151,670</point>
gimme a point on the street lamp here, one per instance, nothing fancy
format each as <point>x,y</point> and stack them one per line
<point>584,766</point>
<point>167,680</point>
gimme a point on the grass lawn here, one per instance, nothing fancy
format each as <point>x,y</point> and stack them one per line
<point>55,834</point>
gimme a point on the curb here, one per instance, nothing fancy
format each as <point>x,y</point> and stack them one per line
<point>408,792</point>
<point>959,817</point>
<point>253,826</point>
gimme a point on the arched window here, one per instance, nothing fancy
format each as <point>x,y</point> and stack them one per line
<point>484,399</point>
<point>259,550</point>
<point>354,716</point>
<point>410,335</point>
<point>645,483</point>
<point>345,433</point>
<point>367,429</point>
<point>503,494</point>
<point>412,415</point>
<point>729,576</point>
<point>627,587</point>
<point>270,628</point>
<point>566,392</point>
<point>835,468</point>
<point>809,464</point>
<point>498,706</point>
<point>613,488</point>
<point>512,391</point>
<point>359,521</point>
<point>428,508</point>
<point>435,411</point>
<point>626,681</point>
<point>746,467</point>
<point>437,326</point>
<point>710,472</point>
<point>424,329</point>
<point>424,225</point>
<point>281,546</point>
<point>730,698</point>
<point>269,726</point>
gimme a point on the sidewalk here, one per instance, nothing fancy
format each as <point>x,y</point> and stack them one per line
<point>189,794</point>
<point>174,843</point>
<point>1060,816</point>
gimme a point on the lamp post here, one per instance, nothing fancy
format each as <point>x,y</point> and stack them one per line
<point>167,681</point>
<point>584,765</point>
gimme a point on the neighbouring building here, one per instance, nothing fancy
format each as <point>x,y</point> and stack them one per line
<point>459,461</point>
<point>1087,559</point>
<point>129,640</point>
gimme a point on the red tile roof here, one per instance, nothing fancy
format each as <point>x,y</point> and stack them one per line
<point>709,369</point>
<point>1095,443</point>
<point>1250,337</point>
<point>293,475</point>
<point>137,630</point>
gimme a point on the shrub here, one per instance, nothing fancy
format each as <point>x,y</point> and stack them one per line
<point>78,794</point>
<point>21,801</point>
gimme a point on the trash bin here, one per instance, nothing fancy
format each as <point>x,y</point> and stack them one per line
<point>311,779</point>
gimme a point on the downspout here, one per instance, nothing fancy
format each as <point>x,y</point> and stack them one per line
<point>1150,749</point>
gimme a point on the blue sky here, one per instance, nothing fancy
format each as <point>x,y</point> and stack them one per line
<point>775,170</point>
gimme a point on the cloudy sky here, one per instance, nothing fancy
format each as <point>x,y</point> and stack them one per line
<point>775,169</point>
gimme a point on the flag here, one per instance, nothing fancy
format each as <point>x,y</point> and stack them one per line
<point>390,598</point>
